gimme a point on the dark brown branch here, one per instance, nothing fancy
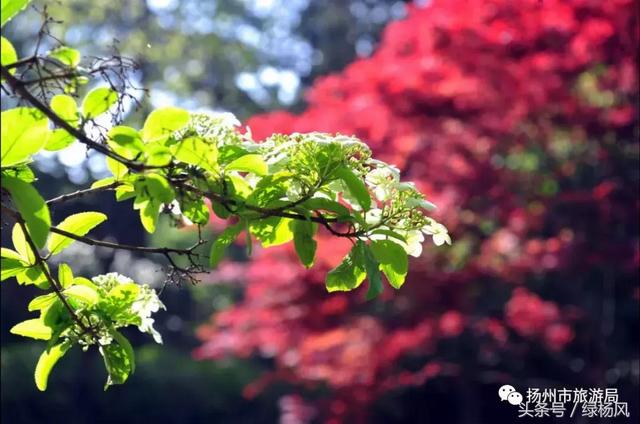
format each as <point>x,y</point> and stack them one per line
<point>110,245</point>
<point>18,87</point>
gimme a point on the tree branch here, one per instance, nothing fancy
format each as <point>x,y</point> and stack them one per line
<point>18,87</point>
<point>81,193</point>
<point>42,264</point>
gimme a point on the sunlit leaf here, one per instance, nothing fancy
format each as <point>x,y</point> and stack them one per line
<point>10,8</point>
<point>78,224</point>
<point>303,232</point>
<point>33,328</point>
<point>222,242</point>
<point>8,54</point>
<point>98,101</point>
<point>32,208</point>
<point>356,186</point>
<point>249,163</point>
<point>47,361</point>
<point>24,131</point>
<point>66,55</point>
<point>161,123</point>
<point>348,275</point>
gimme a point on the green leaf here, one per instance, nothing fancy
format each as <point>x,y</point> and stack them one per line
<point>320,203</point>
<point>10,267</point>
<point>8,54</point>
<point>58,140</point>
<point>82,293</point>
<point>33,328</point>
<point>98,101</point>
<point>272,231</point>
<point>34,275</point>
<point>32,208</point>
<point>66,55</point>
<point>10,8</point>
<point>24,131</point>
<point>47,361</point>
<point>22,172</point>
<point>157,187</point>
<point>196,210</point>
<point>303,232</point>
<point>66,108</point>
<point>127,138</point>
<point>149,215</point>
<point>65,275</point>
<point>117,362</point>
<point>222,242</point>
<point>356,186</point>
<point>196,151</point>
<point>103,182</point>
<point>249,163</point>
<point>348,275</point>
<point>78,224</point>
<point>393,261</point>
<point>118,169</point>
<point>372,269</point>
<point>42,302</point>
<point>124,342</point>
<point>161,123</point>
<point>22,247</point>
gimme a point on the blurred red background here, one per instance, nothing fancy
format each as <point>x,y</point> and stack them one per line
<point>519,119</point>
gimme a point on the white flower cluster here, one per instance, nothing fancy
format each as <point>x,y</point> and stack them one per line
<point>145,304</point>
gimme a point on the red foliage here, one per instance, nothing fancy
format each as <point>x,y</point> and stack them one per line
<point>514,118</point>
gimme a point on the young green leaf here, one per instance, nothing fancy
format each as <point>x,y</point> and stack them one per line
<point>272,231</point>
<point>10,8</point>
<point>303,232</point>
<point>124,342</point>
<point>371,267</point>
<point>32,208</point>
<point>161,123</point>
<point>33,328</point>
<point>98,101</point>
<point>393,261</point>
<point>117,362</point>
<point>22,247</point>
<point>149,215</point>
<point>198,152</point>
<point>10,267</point>
<point>66,56</point>
<point>195,210</point>
<point>65,275</point>
<point>24,131</point>
<point>82,293</point>
<point>65,107</point>
<point>42,302</point>
<point>356,186</point>
<point>126,138</point>
<point>321,203</point>
<point>47,361</point>
<point>33,276</point>
<point>222,242</point>
<point>118,169</point>
<point>8,54</point>
<point>249,163</point>
<point>348,275</point>
<point>59,139</point>
<point>78,224</point>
